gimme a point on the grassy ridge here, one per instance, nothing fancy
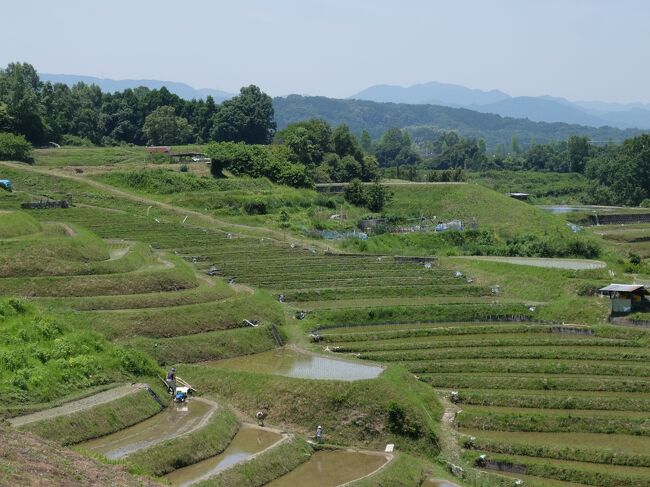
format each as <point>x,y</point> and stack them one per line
<point>263,468</point>
<point>159,278</point>
<point>351,412</point>
<point>53,255</point>
<point>185,450</point>
<point>562,452</point>
<point>584,473</point>
<point>97,421</point>
<point>579,422</point>
<point>205,346</point>
<point>403,471</point>
<point>186,320</point>
<point>201,294</point>
<point>16,224</point>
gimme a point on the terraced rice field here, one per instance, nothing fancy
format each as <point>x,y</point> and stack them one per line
<point>534,398</point>
<point>560,405</point>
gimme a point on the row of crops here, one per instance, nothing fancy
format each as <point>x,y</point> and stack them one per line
<point>532,399</point>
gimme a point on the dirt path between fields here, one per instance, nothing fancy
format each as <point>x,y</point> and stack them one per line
<point>449,443</point>
<point>79,405</point>
<point>220,224</point>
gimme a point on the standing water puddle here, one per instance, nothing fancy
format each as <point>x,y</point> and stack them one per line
<point>572,264</point>
<point>248,441</point>
<point>178,419</point>
<point>332,468</point>
<point>293,363</point>
<point>438,483</point>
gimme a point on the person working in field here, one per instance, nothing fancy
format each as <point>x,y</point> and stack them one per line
<point>171,381</point>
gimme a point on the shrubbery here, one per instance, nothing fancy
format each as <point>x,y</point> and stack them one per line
<point>373,197</point>
<point>15,148</point>
<point>43,358</point>
<point>76,141</point>
<point>256,161</point>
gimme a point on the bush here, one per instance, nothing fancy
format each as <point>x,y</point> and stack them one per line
<point>76,141</point>
<point>15,148</point>
<point>184,168</point>
<point>273,162</point>
<point>255,207</point>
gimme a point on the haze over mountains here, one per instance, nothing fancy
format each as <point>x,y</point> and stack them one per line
<point>111,85</point>
<point>539,109</point>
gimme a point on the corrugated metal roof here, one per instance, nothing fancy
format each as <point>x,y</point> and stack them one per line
<point>622,288</point>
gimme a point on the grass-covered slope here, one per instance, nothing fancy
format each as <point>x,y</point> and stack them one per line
<point>473,203</point>
<point>31,461</point>
<point>394,408</point>
<point>16,224</point>
<point>43,358</point>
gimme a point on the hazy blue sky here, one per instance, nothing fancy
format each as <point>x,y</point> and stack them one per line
<point>580,49</point>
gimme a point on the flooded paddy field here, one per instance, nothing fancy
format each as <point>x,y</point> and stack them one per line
<point>332,468</point>
<point>571,264</point>
<point>176,420</point>
<point>301,365</point>
<point>248,441</point>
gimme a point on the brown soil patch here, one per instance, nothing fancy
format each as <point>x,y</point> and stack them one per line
<point>26,460</point>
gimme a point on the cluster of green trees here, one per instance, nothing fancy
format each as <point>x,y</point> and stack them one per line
<point>256,160</point>
<point>372,196</point>
<point>619,174</point>
<point>331,155</point>
<point>425,122</point>
<point>46,112</point>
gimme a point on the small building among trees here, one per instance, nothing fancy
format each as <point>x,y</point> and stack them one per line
<point>626,298</point>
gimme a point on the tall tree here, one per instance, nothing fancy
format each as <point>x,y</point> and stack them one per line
<point>20,89</point>
<point>394,149</point>
<point>578,152</point>
<point>247,118</point>
<point>162,126</point>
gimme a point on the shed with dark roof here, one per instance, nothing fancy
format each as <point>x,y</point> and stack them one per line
<point>626,298</point>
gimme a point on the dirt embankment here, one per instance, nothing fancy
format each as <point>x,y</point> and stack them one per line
<point>31,461</point>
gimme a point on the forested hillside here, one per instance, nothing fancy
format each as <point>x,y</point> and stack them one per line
<point>430,120</point>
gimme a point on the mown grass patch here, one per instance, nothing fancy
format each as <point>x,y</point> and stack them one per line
<point>155,279</point>
<point>16,224</point>
<point>198,295</point>
<point>186,320</point>
<point>404,470</point>
<point>201,347</point>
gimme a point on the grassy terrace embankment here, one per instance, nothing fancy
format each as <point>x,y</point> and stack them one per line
<point>458,340</point>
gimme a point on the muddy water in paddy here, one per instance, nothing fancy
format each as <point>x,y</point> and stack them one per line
<point>293,363</point>
<point>248,441</point>
<point>176,420</point>
<point>332,468</point>
<point>572,264</point>
<point>438,483</point>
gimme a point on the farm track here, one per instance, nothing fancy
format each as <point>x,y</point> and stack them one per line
<point>254,231</point>
<point>78,405</point>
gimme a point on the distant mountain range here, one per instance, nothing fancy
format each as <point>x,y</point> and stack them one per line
<point>425,122</point>
<point>111,85</point>
<point>538,109</point>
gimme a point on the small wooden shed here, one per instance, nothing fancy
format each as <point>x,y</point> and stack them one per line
<point>626,298</point>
